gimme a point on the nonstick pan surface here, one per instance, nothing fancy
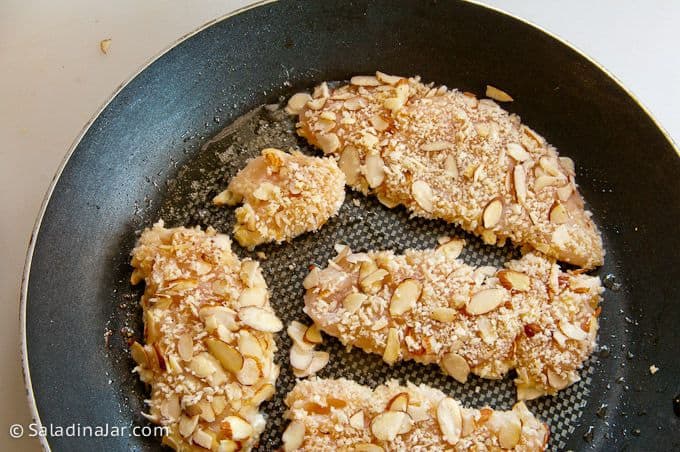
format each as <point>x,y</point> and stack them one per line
<point>160,150</point>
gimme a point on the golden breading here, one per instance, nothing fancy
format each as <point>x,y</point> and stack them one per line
<point>428,306</point>
<point>209,349</point>
<point>283,195</point>
<point>343,415</point>
<point>446,154</point>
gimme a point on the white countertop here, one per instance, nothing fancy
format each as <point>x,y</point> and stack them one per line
<point>54,78</point>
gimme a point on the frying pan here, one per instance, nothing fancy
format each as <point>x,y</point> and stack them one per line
<point>149,154</point>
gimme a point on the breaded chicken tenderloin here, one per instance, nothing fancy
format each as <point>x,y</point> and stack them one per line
<point>345,416</point>
<point>283,195</point>
<point>208,331</point>
<point>429,306</point>
<point>445,154</point>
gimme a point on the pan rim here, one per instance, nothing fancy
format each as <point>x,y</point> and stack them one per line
<point>28,386</point>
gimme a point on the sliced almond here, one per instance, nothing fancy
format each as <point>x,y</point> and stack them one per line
<point>366,268</point>
<point>451,249</point>
<point>406,424</point>
<point>444,314</point>
<point>437,146</point>
<point>138,354</point>
<point>497,94</point>
<point>394,103</point>
<point>468,422</point>
<point>228,356</point>
<point>451,166</point>
<point>375,170</point>
<point>399,402</point>
<point>379,123</point>
<point>422,194</point>
<point>556,380</point>
<point>207,413</point>
<point>299,358</point>
<point>260,319</point>
<point>392,347</point>
<point>325,125</point>
<point>202,365</point>
<point>387,201</point>
<point>487,331</point>
<point>203,439</point>
<point>350,164</point>
<point>369,140</point>
<point>529,392</point>
<point>317,104</point>
<point>250,274</point>
<point>170,407</point>
<point>294,436</point>
<point>357,420</point>
<point>492,213</point>
<point>218,403</point>
<point>237,428</point>
<point>250,373</point>
<point>319,361</point>
<point>389,79</point>
<point>312,279</point>
<point>328,115</point>
<point>354,103</point>
<point>549,166</point>
<point>450,420</point>
<point>264,393</point>
<point>572,331</point>
<point>510,432</point>
<point>185,347</point>
<point>372,283</point>
<point>296,331</point>
<point>520,183</point>
<point>517,152</point>
<point>321,91</point>
<point>219,315</point>
<point>485,300</point>
<point>568,164</point>
<point>249,345</point>
<point>564,192</point>
<point>187,425</point>
<point>353,301</point>
<point>456,366</point>
<point>329,143</point>
<point>544,181</point>
<point>364,80</point>
<point>560,338</point>
<point>297,103</point>
<point>367,447</point>
<point>405,296</point>
<point>514,280</point>
<point>253,296</point>
<point>558,213</point>
<point>313,335</point>
<point>386,426</point>
<point>104,45</point>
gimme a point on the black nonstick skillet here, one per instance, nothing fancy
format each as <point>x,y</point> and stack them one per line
<point>160,150</point>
